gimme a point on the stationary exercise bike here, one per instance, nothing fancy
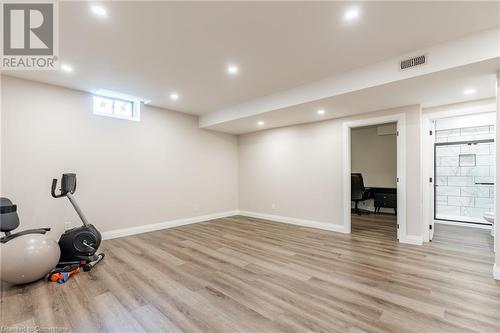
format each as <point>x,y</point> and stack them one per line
<point>78,245</point>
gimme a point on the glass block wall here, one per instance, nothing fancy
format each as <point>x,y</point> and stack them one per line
<point>466,134</point>
<point>464,173</point>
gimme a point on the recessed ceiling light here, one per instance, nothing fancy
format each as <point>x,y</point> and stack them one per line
<point>66,68</point>
<point>320,112</point>
<point>469,91</point>
<point>174,96</point>
<point>351,14</point>
<point>232,69</point>
<point>98,10</point>
<point>260,123</point>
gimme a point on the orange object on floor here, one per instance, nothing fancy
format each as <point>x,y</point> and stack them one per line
<point>62,277</point>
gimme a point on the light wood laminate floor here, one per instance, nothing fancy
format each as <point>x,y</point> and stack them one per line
<point>247,275</point>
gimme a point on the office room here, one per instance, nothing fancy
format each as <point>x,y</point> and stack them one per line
<point>249,166</point>
<point>374,178</point>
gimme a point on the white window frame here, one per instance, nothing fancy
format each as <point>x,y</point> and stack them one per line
<point>114,96</point>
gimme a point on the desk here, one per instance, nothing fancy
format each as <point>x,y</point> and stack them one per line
<point>383,197</point>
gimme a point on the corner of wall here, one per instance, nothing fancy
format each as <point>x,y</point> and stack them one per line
<point>496,272</point>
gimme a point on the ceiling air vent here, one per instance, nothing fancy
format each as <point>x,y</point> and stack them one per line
<point>412,62</point>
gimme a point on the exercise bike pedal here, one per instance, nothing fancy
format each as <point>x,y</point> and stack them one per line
<point>91,264</point>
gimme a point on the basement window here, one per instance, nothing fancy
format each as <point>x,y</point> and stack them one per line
<point>116,105</point>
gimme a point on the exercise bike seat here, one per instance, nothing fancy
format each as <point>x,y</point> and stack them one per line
<point>9,220</point>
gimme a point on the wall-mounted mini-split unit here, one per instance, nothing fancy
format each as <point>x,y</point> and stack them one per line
<point>413,62</point>
<point>390,129</point>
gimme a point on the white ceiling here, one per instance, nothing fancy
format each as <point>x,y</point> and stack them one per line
<point>150,49</point>
<point>439,88</point>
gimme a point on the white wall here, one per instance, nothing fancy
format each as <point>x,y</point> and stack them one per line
<point>299,169</point>
<point>374,156</point>
<point>129,173</point>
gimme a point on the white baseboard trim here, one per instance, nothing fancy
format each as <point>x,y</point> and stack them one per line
<point>295,221</point>
<point>496,272</point>
<point>410,239</point>
<point>164,225</point>
<point>416,240</point>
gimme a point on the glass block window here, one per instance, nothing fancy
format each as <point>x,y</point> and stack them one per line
<point>117,107</point>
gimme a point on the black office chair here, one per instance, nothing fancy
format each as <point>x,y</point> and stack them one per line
<point>358,192</point>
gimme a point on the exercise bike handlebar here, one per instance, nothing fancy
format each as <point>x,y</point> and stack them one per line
<point>53,189</point>
<point>68,187</point>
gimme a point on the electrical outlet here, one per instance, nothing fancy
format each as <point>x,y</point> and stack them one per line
<point>67,225</point>
<point>273,206</point>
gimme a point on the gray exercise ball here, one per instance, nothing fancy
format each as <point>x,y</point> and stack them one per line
<point>28,258</point>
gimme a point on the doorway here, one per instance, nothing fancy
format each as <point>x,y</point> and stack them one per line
<point>400,181</point>
<point>461,169</point>
<point>374,180</point>
<point>464,180</point>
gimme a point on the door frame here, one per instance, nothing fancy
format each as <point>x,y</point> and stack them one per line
<point>440,144</point>
<point>428,120</point>
<point>400,120</point>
